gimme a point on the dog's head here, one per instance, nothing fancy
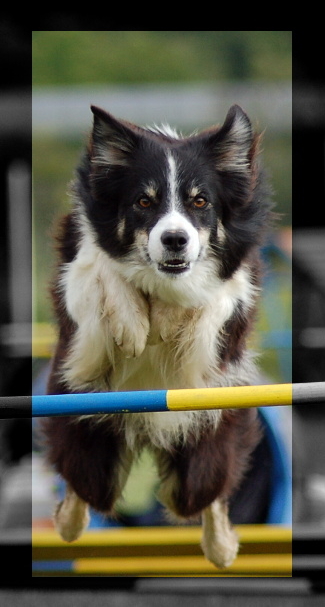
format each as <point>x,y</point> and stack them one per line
<point>164,205</point>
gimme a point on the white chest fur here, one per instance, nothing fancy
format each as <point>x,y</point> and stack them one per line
<point>128,340</point>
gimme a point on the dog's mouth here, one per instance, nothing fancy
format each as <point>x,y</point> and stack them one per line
<point>174,266</point>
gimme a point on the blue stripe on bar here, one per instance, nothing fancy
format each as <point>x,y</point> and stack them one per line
<point>100,402</point>
<point>50,566</point>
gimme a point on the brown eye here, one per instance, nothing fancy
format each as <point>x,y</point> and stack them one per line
<point>200,202</point>
<point>144,203</point>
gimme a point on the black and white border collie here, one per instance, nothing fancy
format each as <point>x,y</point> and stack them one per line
<point>156,288</point>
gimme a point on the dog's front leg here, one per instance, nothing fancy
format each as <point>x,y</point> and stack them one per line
<point>72,516</point>
<point>104,305</point>
<point>219,539</point>
<point>127,312</point>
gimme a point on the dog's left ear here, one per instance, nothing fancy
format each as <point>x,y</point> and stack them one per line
<point>233,143</point>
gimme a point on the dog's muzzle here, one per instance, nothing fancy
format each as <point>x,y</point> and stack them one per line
<point>174,244</point>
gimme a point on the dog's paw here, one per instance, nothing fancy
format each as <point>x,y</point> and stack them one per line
<point>129,331</point>
<point>221,552</point>
<point>219,541</point>
<point>71,518</point>
<point>98,298</point>
<point>128,319</point>
<point>165,321</point>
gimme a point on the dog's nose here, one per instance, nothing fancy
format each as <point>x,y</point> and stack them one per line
<point>174,240</point>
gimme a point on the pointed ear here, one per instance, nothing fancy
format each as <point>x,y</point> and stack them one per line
<point>112,140</point>
<point>232,143</point>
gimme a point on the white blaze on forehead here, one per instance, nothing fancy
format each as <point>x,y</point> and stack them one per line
<point>172,183</point>
<point>173,220</point>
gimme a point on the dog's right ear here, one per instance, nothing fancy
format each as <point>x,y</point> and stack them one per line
<point>113,141</point>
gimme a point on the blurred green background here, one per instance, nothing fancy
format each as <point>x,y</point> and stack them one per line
<point>149,56</point>
<point>66,63</point>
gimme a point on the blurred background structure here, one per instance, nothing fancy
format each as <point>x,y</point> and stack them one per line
<point>15,271</point>
<point>309,273</point>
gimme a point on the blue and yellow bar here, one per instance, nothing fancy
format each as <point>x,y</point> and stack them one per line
<point>162,400</point>
<point>100,403</point>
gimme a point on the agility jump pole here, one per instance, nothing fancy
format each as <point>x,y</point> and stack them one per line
<point>91,403</point>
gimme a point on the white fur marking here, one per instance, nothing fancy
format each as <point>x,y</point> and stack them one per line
<point>166,340</point>
<point>219,542</point>
<point>109,312</point>
<point>165,129</point>
<point>172,183</point>
<point>173,221</point>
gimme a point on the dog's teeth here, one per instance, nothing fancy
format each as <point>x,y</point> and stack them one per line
<point>175,265</point>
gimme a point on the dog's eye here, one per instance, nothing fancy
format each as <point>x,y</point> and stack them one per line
<point>144,202</point>
<point>200,202</point>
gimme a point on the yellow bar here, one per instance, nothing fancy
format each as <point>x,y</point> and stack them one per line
<point>146,536</point>
<point>152,536</point>
<point>264,533</point>
<point>255,564</point>
<point>43,340</point>
<point>94,552</point>
<point>229,398</point>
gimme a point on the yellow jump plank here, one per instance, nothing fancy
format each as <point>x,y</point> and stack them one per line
<point>265,550</point>
<point>128,536</point>
<point>186,565</point>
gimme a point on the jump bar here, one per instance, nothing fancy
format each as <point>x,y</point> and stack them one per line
<point>161,400</point>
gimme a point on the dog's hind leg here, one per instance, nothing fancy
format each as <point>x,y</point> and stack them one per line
<point>219,540</point>
<point>71,517</point>
<point>200,476</point>
<point>94,460</point>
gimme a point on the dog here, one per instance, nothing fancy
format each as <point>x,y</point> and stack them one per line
<point>156,287</point>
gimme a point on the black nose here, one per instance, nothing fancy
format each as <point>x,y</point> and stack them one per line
<point>174,240</point>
